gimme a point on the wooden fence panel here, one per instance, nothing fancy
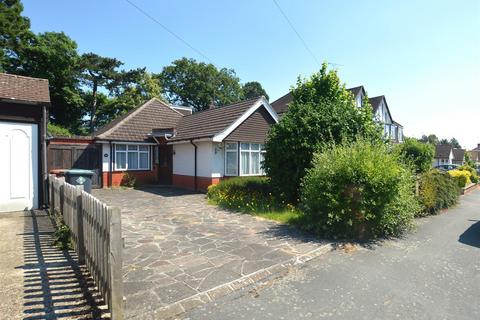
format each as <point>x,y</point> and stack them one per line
<point>96,231</point>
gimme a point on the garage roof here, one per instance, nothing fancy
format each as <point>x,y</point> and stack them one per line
<point>14,88</point>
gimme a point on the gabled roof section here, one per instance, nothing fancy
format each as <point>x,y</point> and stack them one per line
<point>218,123</point>
<point>281,104</point>
<point>22,89</point>
<point>357,90</point>
<point>443,151</point>
<point>138,123</point>
<point>458,154</point>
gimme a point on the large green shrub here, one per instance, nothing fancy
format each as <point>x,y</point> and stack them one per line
<point>437,190</point>
<point>473,172</point>
<point>322,112</point>
<point>358,190</point>
<point>418,153</point>
<point>246,194</point>
<point>462,177</point>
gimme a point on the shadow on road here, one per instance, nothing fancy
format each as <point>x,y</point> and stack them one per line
<point>471,236</point>
<point>55,286</point>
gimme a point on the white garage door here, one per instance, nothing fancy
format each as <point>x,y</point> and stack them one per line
<point>18,166</point>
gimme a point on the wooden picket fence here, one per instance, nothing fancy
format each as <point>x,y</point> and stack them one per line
<point>97,237</point>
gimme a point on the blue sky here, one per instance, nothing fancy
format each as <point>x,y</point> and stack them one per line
<point>424,56</point>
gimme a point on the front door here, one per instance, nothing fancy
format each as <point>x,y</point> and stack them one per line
<point>165,164</point>
<point>18,166</point>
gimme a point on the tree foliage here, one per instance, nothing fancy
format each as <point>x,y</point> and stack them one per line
<point>431,138</point>
<point>418,153</point>
<point>253,89</point>
<point>200,85</point>
<point>322,113</point>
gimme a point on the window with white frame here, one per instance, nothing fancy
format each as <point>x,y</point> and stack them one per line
<point>251,159</point>
<point>231,159</point>
<point>132,157</point>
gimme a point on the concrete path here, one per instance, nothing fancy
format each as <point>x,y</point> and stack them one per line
<point>181,252</point>
<point>38,281</point>
<point>433,273</point>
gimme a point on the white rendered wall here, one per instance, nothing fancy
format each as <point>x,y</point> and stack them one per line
<point>106,160</point>
<point>184,159</point>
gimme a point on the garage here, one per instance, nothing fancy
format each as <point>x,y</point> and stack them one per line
<point>23,117</point>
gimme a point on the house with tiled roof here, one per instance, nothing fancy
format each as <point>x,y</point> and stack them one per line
<point>381,112</point>
<point>475,154</point>
<point>447,154</point>
<point>24,103</point>
<point>160,143</point>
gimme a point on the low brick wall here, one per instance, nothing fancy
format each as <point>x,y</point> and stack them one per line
<point>188,182</point>
<point>143,177</point>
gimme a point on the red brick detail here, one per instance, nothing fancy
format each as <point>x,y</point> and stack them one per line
<point>188,182</point>
<point>143,177</point>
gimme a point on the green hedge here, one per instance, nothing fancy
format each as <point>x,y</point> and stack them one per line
<point>359,190</point>
<point>247,194</point>
<point>437,190</point>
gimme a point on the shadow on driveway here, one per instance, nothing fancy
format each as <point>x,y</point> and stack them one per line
<point>471,236</point>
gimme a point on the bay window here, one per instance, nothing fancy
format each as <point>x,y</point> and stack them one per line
<point>251,159</point>
<point>231,159</point>
<point>132,157</point>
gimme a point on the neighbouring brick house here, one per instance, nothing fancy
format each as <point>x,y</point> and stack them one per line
<point>381,112</point>
<point>158,143</point>
<point>24,103</point>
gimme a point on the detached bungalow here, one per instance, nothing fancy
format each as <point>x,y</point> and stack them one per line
<point>447,154</point>
<point>165,144</point>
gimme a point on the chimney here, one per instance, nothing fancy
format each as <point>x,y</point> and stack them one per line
<point>478,146</point>
<point>211,105</point>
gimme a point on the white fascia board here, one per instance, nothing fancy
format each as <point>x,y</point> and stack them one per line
<point>188,141</point>
<point>219,137</point>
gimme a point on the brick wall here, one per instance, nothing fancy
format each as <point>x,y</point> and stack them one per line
<point>188,182</point>
<point>143,177</point>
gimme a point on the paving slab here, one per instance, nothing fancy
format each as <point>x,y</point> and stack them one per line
<point>190,251</point>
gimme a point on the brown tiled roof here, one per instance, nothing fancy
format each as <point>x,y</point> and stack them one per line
<point>24,89</point>
<point>138,123</point>
<point>442,150</point>
<point>281,104</point>
<point>458,154</point>
<point>206,124</point>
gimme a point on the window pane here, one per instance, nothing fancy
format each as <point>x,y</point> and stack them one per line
<point>121,160</point>
<point>245,146</point>
<point>144,157</point>
<point>245,159</point>
<point>132,147</point>
<point>133,160</point>
<point>121,147</point>
<point>255,146</point>
<point>262,147</point>
<point>143,148</point>
<point>231,146</point>
<point>231,163</point>
<point>262,159</point>
<point>255,156</point>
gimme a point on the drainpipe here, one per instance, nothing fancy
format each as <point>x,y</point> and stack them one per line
<point>194,165</point>
<point>44,157</point>
<point>110,166</point>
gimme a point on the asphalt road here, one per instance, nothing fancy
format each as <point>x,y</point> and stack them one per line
<point>432,273</point>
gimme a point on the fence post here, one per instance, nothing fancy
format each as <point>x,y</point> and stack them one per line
<point>79,213</point>
<point>115,263</point>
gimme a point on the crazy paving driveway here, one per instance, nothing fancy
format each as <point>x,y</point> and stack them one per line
<point>181,252</point>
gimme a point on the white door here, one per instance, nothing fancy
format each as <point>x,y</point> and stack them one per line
<point>18,166</point>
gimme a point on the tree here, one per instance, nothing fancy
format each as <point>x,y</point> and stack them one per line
<point>137,87</point>
<point>431,138</point>
<point>14,31</point>
<point>53,56</point>
<point>418,153</point>
<point>322,113</point>
<point>454,142</point>
<point>253,89</point>
<point>199,85</point>
<point>99,72</point>
<point>469,161</point>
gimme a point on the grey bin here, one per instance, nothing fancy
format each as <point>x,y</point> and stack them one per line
<point>80,177</point>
